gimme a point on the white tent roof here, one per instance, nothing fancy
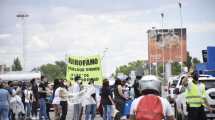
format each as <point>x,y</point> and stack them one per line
<point>19,76</point>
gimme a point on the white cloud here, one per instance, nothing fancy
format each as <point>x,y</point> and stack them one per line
<point>3,51</point>
<point>37,42</point>
<point>202,27</point>
<point>55,31</point>
<point>5,35</point>
<point>88,34</point>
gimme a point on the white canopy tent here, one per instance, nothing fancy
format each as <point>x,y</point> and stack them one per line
<point>19,76</point>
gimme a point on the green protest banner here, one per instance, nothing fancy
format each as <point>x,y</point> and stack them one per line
<point>87,67</point>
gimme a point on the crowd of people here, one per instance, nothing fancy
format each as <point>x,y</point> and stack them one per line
<point>22,99</point>
<point>125,97</point>
<point>34,99</point>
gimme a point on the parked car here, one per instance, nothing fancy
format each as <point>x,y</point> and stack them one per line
<point>180,100</point>
<point>210,94</point>
<point>171,88</point>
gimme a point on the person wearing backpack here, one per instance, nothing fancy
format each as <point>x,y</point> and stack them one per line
<point>150,105</point>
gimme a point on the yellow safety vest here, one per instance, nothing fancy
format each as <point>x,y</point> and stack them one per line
<point>194,96</point>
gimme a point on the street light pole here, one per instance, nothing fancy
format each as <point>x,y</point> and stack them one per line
<point>150,67</point>
<point>23,17</point>
<point>155,60</point>
<point>104,53</point>
<point>102,59</point>
<point>163,42</point>
<point>181,25</point>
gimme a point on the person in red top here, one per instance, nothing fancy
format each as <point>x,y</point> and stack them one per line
<point>150,106</point>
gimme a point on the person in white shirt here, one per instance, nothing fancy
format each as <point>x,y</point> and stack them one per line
<point>28,100</point>
<point>150,105</point>
<point>63,93</point>
<point>56,99</point>
<point>90,109</point>
<point>77,107</point>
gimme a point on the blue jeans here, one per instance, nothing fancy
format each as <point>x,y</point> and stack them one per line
<point>107,114</point>
<point>28,109</point>
<point>90,110</point>
<point>4,112</point>
<point>77,112</point>
<point>43,109</point>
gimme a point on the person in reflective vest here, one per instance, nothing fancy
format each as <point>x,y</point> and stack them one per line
<point>195,98</point>
<point>150,106</point>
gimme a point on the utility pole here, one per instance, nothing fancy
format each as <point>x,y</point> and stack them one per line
<point>155,60</point>
<point>163,42</point>
<point>181,25</point>
<point>102,59</point>
<point>104,53</point>
<point>23,17</point>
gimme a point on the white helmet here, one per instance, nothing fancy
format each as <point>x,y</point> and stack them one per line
<point>149,82</point>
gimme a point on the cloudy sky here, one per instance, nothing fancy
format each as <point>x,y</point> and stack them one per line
<point>56,28</point>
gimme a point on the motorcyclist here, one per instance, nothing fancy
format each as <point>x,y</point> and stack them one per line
<point>150,105</point>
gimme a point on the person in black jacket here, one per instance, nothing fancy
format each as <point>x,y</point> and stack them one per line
<point>35,96</point>
<point>139,75</point>
<point>107,100</point>
<point>42,100</point>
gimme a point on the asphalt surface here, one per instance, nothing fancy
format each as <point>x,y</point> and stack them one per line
<point>98,117</point>
<point>69,115</point>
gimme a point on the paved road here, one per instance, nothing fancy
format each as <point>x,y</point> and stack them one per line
<point>98,117</point>
<point>69,115</point>
<point>70,118</point>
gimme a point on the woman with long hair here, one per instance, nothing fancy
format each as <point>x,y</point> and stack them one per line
<point>63,100</point>
<point>56,99</point>
<point>119,97</point>
<point>107,100</point>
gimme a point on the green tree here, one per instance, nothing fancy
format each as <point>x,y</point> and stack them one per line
<point>126,69</point>
<point>191,61</point>
<point>53,71</point>
<point>195,61</point>
<point>123,69</point>
<point>16,65</point>
<point>176,68</point>
<point>62,66</point>
<point>160,70</point>
<point>188,63</point>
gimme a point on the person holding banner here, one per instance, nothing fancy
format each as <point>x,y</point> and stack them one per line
<point>63,94</point>
<point>90,109</point>
<point>77,107</point>
<point>56,99</point>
